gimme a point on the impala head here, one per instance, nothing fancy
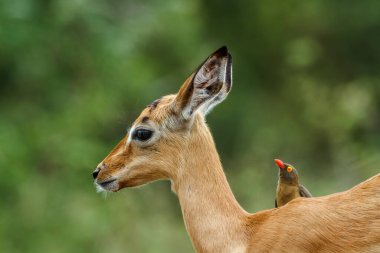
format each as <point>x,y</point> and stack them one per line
<point>287,173</point>
<point>153,147</point>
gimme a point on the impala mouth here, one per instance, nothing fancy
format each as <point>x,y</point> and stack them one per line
<point>107,185</point>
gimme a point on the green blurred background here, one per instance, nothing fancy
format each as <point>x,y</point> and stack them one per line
<point>75,74</point>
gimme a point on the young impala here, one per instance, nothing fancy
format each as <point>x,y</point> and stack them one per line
<point>170,140</point>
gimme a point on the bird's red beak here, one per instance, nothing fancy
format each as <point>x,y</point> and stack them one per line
<point>279,163</point>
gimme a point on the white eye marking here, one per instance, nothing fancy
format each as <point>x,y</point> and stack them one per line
<point>130,135</point>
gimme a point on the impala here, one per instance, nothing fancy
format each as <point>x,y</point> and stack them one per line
<point>170,140</point>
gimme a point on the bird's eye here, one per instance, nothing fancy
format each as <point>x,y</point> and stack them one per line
<point>142,134</point>
<point>289,169</point>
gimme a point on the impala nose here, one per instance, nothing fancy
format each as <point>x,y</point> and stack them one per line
<point>95,173</point>
<point>98,169</point>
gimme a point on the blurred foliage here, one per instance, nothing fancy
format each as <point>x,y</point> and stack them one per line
<point>74,74</point>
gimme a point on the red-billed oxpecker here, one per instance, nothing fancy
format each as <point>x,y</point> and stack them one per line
<point>288,186</point>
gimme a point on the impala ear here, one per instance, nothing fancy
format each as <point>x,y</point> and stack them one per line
<point>207,86</point>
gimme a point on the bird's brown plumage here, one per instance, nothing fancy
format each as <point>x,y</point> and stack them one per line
<point>288,187</point>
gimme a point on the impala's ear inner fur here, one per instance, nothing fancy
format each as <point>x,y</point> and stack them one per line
<point>227,85</point>
<point>206,87</point>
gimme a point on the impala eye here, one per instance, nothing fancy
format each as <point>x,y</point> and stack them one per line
<point>142,134</point>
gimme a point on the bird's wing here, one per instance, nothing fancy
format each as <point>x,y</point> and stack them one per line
<point>275,202</point>
<point>304,192</point>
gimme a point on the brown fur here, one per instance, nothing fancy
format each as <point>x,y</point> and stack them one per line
<point>183,151</point>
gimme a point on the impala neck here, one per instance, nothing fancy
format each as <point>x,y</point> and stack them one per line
<point>213,217</point>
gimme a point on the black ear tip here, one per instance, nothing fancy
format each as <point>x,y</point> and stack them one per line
<point>223,51</point>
